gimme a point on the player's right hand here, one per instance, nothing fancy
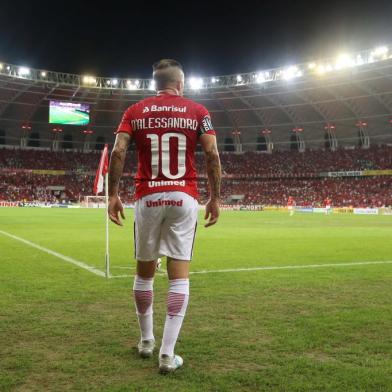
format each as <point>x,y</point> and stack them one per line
<point>212,212</point>
<point>115,207</point>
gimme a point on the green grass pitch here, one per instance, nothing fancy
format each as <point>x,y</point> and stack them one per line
<point>63,328</point>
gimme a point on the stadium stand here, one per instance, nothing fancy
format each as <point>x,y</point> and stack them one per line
<point>281,164</point>
<point>266,179</point>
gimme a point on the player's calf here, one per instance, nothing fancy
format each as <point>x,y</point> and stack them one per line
<point>143,295</point>
<point>177,303</point>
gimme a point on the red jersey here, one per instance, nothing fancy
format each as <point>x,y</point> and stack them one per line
<point>290,202</point>
<point>166,129</point>
<point>327,202</point>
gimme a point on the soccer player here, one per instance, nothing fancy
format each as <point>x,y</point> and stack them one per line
<point>290,205</point>
<point>327,204</point>
<point>166,129</point>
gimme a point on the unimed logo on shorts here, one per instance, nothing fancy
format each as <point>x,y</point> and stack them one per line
<point>160,202</point>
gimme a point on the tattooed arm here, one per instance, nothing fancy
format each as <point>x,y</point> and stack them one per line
<point>208,143</point>
<point>117,160</point>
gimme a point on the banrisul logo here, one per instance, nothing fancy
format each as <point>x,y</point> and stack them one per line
<point>172,108</point>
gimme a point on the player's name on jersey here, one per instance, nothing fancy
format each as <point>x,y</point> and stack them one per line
<point>153,184</point>
<point>164,122</point>
<point>172,108</point>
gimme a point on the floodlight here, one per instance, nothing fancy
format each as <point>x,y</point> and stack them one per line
<point>24,71</point>
<point>89,80</point>
<point>196,83</point>
<point>291,73</point>
<point>359,60</point>
<point>260,77</point>
<point>380,51</point>
<point>344,61</point>
<point>321,70</point>
<point>131,85</point>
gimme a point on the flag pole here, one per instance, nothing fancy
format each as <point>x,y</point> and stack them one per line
<point>107,258</point>
<point>101,177</point>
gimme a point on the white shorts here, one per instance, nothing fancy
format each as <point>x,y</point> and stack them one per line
<point>165,225</point>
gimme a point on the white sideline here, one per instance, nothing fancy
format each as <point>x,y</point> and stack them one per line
<point>293,267</point>
<point>98,272</point>
<point>277,267</point>
<point>56,254</point>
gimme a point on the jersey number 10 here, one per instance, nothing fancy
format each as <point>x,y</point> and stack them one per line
<point>163,155</point>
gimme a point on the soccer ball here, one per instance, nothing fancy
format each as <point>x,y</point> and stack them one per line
<point>159,263</point>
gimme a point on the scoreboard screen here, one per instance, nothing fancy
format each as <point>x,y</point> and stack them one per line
<point>69,113</point>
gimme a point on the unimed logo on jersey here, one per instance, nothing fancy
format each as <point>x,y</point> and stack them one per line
<point>172,108</point>
<point>152,184</point>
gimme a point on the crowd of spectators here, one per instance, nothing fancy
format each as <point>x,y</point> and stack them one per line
<point>250,164</point>
<point>259,178</point>
<point>48,160</point>
<point>311,162</point>
<point>343,191</point>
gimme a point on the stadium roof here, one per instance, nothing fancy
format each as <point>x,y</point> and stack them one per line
<point>343,92</point>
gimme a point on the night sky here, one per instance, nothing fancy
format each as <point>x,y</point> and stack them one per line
<point>207,38</point>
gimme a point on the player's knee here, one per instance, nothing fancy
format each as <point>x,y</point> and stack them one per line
<point>177,269</point>
<point>146,269</point>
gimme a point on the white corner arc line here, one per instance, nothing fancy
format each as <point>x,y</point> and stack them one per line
<point>56,254</point>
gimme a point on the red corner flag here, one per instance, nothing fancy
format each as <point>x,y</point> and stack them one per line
<point>102,170</point>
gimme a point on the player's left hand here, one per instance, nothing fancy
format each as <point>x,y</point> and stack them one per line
<point>115,207</point>
<point>212,212</point>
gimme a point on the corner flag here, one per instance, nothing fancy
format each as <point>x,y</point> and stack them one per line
<point>101,172</point>
<point>100,178</point>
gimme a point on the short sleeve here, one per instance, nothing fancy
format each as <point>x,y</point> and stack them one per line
<point>205,124</point>
<point>125,124</point>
